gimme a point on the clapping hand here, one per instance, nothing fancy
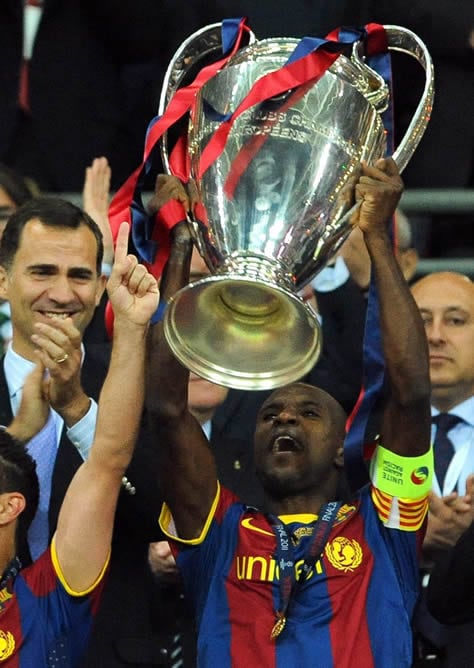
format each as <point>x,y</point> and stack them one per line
<point>449,517</point>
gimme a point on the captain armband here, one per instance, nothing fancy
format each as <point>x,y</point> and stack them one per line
<point>402,477</point>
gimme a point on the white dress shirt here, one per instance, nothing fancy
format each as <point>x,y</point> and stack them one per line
<point>207,428</point>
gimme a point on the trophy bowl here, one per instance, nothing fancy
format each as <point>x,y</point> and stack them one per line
<point>277,202</point>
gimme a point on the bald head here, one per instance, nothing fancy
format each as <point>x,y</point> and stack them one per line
<point>446,303</point>
<point>444,280</point>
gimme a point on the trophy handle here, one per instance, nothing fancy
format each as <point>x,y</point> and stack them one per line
<point>406,41</point>
<point>197,50</point>
<point>192,51</point>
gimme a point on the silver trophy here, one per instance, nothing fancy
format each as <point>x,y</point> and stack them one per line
<point>278,200</point>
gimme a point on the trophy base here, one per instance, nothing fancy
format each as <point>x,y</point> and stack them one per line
<point>241,333</point>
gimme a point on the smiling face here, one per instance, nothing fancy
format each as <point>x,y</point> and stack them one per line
<point>53,275</point>
<point>299,441</point>
<point>446,303</point>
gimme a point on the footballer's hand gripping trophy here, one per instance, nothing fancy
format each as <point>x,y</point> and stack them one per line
<point>277,201</point>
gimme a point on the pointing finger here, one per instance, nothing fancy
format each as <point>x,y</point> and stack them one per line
<point>121,245</point>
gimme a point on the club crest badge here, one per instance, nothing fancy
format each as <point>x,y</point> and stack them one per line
<point>344,554</point>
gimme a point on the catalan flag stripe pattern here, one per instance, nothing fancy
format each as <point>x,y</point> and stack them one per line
<point>406,514</point>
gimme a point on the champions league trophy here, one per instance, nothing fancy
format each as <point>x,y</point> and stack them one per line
<point>277,201</point>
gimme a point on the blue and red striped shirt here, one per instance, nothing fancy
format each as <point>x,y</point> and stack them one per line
<point>42,622</point>
<point>354,608</point>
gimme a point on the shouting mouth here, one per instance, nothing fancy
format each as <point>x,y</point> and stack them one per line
<point>286,443</point>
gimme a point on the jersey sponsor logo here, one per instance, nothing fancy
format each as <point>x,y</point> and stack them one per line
<point>7,645</point>
<point>266,569</point>
<point>247,523</point>
<point>419,475</point>
<point>344,554</point>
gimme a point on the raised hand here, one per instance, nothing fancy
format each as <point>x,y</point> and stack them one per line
<point>378,191</point>
<point>132,290</point>
<point>171,188</point>
<point>95,201</point>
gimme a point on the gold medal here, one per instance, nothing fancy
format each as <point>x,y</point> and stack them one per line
<point>278,628</point>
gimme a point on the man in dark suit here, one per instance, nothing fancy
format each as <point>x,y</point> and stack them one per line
<point>50,261</point>
<point>446,303</point>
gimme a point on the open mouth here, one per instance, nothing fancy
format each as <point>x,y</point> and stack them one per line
<point>286,444</point>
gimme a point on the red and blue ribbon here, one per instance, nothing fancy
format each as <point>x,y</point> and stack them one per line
<point>357,449</point>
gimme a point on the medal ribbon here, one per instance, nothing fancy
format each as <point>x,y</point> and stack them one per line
<point>285,558</point>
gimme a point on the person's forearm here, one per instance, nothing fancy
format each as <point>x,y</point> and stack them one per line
<point>167,379</point>
<point>122,396</point>
<point>187,472</point>
<point>404,339</point>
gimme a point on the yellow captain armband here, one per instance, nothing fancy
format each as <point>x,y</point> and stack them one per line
<point>402,477</point>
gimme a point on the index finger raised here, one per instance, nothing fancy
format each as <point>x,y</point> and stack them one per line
<point>121,244</point>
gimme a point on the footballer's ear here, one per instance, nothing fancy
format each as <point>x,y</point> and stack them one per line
<point>339,458</point>
<point>12,504</point>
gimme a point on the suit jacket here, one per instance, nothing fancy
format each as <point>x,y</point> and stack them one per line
<point>451,585</point>
<point>450,598</point>
<point>236,466</point>
<point>123,634</point>
<point>68,458</point>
